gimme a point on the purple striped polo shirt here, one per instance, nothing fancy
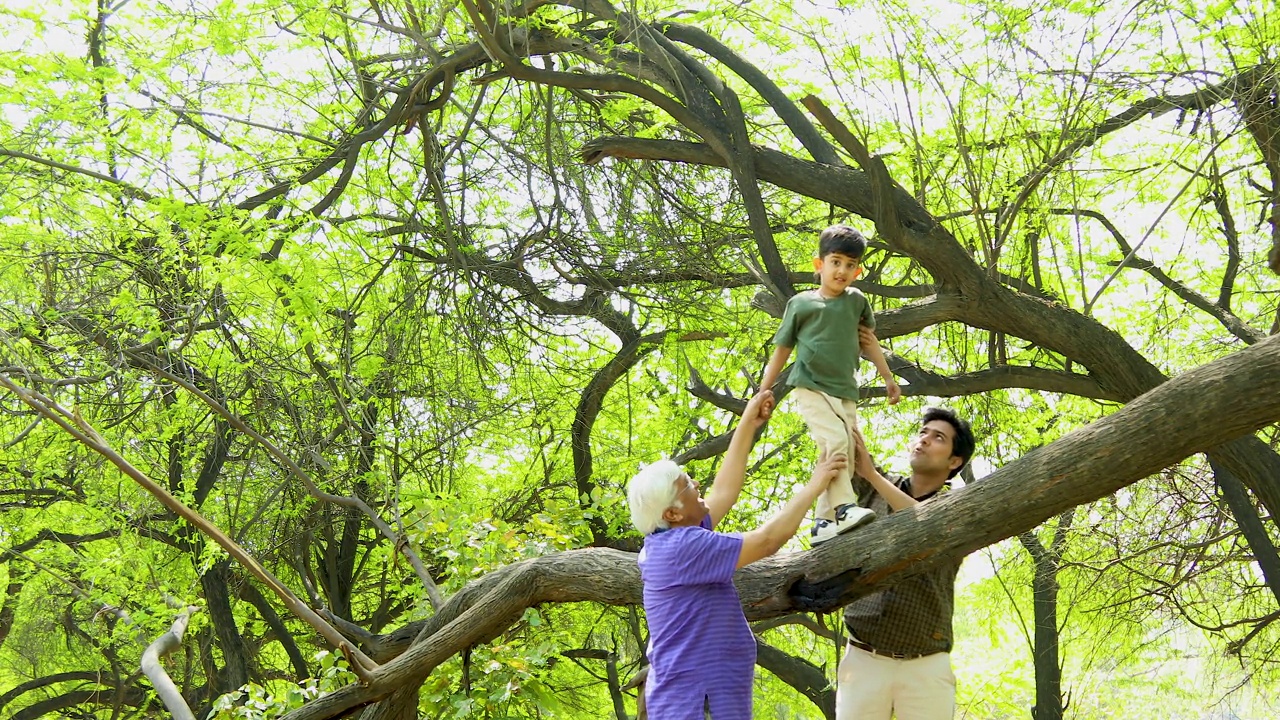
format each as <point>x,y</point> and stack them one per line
<point>701,649</point>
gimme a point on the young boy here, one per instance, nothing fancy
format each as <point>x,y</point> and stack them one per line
<point>822,326</point>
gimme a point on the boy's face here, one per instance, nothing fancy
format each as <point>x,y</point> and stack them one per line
<point>836,271</point>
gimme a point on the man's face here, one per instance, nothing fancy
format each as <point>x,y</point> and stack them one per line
<point>931,449</point>
<point>836,271</point>
<point>691,508</point>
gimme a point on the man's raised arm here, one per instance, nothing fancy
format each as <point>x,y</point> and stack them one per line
<point>728,483</point>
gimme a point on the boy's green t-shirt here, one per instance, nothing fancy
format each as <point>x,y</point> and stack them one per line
<point>824,334</point>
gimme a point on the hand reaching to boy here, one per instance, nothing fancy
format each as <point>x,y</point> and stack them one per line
<point>758,409</point>
<point>863,465</point>
<point>827,469</point>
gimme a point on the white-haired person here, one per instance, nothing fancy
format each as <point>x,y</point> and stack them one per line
<point>701,651</point>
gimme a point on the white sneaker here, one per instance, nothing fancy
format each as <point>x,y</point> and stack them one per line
<point>848,517</point>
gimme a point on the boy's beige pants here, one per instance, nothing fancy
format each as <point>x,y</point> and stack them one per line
<point>832,422</point>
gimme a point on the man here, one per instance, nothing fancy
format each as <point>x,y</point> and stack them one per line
<point>701,650</point>
<point>897,662</point>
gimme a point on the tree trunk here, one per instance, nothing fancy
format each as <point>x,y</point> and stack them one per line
<point>235,663</point>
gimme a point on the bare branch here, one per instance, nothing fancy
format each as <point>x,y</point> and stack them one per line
<point>1221,313</point>
<point>168,642</point>
<point>126,189</point>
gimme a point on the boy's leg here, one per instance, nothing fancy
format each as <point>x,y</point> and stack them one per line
<point>840,491</point>
<point>827,427</point>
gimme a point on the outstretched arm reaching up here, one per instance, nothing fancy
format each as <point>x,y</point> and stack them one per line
<point>728,483</point>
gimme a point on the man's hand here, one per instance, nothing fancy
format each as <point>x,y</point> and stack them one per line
<point>892,391</point>
<point>827,469</point>
<point>758,409</point>
<point>866,339</point>
<point>863,466</point>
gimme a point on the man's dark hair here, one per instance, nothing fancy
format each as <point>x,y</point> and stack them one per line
<point>841,239</point>
<point>963,444</point>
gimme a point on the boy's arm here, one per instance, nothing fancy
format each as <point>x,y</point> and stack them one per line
<point>771,371</point>
<point>774,533</point>
<point>733,469</point>
<point>871,350</point>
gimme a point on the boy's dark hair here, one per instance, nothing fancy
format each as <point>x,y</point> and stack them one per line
<point>963,444</point>
<point>841,239</point>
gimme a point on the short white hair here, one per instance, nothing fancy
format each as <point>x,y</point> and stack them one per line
<point>651,492</point>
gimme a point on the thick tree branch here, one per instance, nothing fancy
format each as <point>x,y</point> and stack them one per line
<point>806,678</point>
<point>1251,526</point>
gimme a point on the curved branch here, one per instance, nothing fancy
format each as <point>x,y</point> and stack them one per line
<point>168,642</point>
<point>803,676</point>
<point>801,619</point>
<point>1222,314</point>
<point>132,697</point>
<point>129,191</point>
<point>94,676</point>
<point>813,141</point>
<point>588,409</point>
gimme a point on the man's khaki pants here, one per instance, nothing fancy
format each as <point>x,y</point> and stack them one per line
<point>832,422</point>
<point>877,687</point>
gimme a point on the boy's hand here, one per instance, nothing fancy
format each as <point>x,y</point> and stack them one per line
<point>892,390</point>
<point>863,466</point>
<point>758,409</point>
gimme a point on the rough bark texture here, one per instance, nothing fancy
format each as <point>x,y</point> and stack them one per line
<point>1049,704</point>
<point>808,679</point>
<point>235,663</point>
<point>1194,412</point>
